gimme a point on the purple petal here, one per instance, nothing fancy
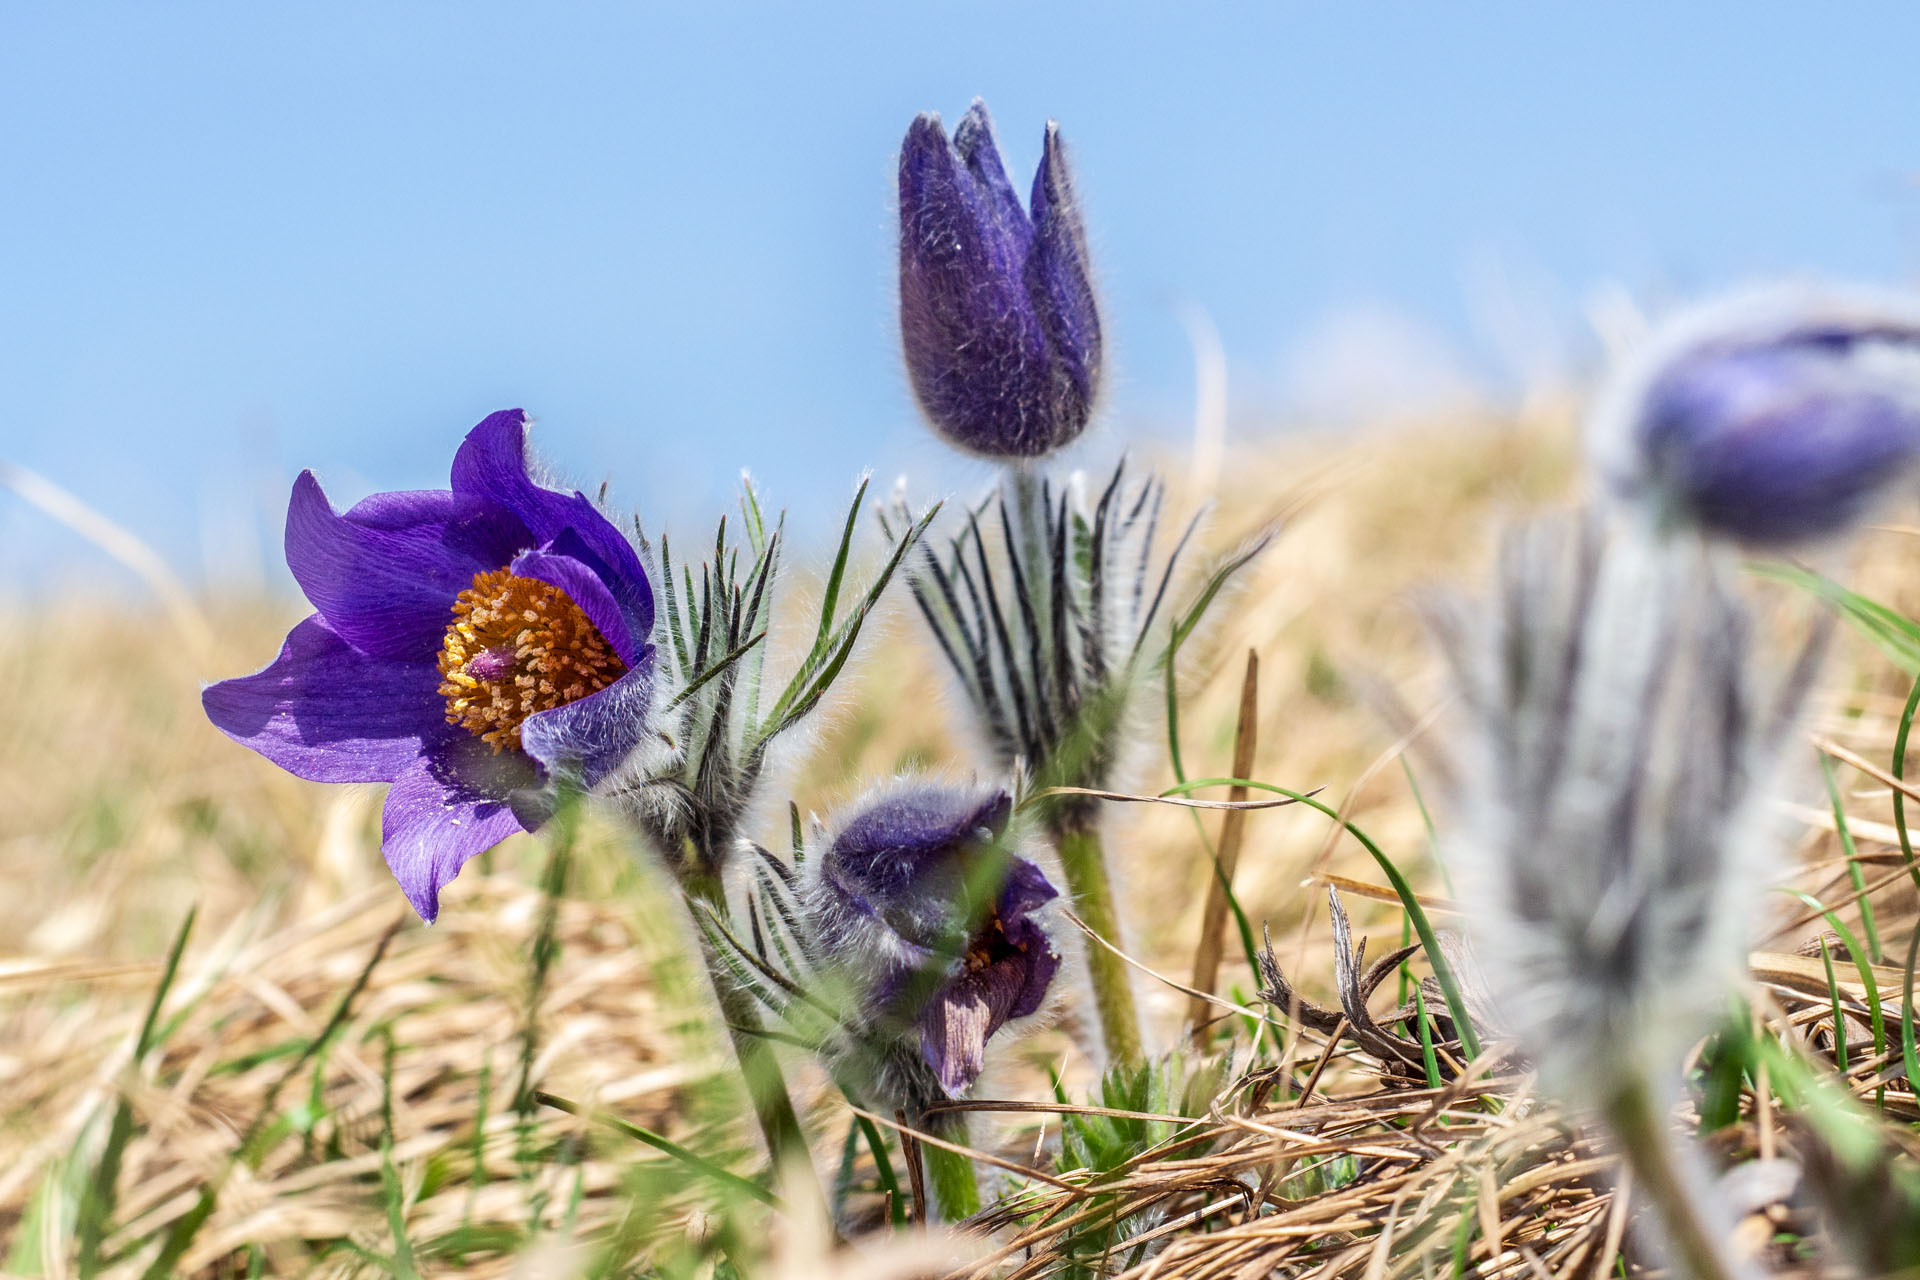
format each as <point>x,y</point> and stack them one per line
<point>890,841</point>
<point>492,464</point>
<point>973,143</point>
<point>956,1026</point>
<point>1038,962</point>
<point>585,587</point>
<point>442,810</point>
<point>592,736</point>
<point>1778,444</point>
<point>330,713</point>
<point>385,574</point>
<point>1027,890</point>
<point>1059,275</point>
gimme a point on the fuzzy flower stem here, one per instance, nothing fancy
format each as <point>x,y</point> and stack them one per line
<point>759,1069</point>
<point>954,1183</point>
<point>1082,856</point>
<point>1674,1191</point>
<point>1085,864</point>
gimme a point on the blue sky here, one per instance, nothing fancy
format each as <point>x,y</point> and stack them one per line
<point>240,240</point>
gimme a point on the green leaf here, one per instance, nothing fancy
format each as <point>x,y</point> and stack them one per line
<point>1897,636</point>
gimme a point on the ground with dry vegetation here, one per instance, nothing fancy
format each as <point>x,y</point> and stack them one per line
<point>326,1084</point>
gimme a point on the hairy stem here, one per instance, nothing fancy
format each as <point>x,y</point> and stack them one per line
<point>953,1182</point>
<point>1085,864</point>
<point>1673,1189</point>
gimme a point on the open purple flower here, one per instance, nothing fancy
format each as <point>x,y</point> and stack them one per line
<point>890,904</point>
<point>468,646</point>
<point>1772,419</point>
<point>997,313</point>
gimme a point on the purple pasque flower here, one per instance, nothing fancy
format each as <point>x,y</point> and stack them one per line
<point>997,313</point>
<point>894,904</point>
<point>1773,418</point>
<point>470,646</point>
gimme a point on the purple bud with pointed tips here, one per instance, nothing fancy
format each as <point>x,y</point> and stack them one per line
<point>889,902</point>
<point>997,313</point>
<point>1774,419</point>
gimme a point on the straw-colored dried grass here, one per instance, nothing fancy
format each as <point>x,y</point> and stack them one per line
<point>120,809</point>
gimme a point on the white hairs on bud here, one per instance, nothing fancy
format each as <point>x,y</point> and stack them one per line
<point>1611,833</point>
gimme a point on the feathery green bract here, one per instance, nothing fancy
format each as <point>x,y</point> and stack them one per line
<point>1105,1147</point>
<point>721,716</point>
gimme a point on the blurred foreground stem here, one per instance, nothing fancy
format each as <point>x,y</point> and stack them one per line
<point>759,1068</point>
<point>1084,861</point>
<point>1676,1192</point>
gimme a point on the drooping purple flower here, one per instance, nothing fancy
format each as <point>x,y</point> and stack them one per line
<point>468,646</point>
<point>1774,419</point>
<point>894,893</point>
<point>997,313</point>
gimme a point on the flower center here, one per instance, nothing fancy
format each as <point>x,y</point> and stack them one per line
<point>517,646</point>
<point>991,945</point>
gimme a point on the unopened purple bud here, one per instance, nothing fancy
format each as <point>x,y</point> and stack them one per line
<point>1772,420</point>
<point>894,894</point>
<point>997,313</point>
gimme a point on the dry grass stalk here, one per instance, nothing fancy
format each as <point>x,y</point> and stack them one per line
<point>121,808</point>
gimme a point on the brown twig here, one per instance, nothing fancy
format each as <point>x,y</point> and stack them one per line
<point>1233,826</point>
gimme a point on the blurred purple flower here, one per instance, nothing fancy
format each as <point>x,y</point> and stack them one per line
<point>891,897</point>
<point>997,313</point>
<point>467,646</point>
<point>1775,420</point>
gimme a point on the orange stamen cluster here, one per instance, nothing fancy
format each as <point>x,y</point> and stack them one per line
<point>518,646</point>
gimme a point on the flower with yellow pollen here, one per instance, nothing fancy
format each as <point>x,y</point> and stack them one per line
<point>516,647</point>
<point>473,646</point>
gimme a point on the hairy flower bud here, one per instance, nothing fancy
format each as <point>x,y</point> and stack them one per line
<point>1610,782</point>
<point>936,928</point>
<point>1773,418</point>
<point>997,314</point>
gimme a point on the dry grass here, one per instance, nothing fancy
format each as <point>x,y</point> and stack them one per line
<point>121,810</point>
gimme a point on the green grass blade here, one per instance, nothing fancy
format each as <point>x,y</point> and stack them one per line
<point>1908,1054</point>
<point>1897,636</point>
<point>1854,872</point>
<point>1442,971</point>
<point>1860,963</point>
<point>667,1146</point>
<point>1900,772</point>
<point>187,1225</point>
<point>396,1201</point>
<point>1839,1018</point>
<point>1427,1056</point>
<point>1426,820</point>
<point>101,1195</point>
